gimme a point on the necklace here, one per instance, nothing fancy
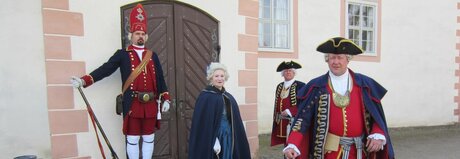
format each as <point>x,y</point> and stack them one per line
<point>284,92</point>
<point>341,101</point>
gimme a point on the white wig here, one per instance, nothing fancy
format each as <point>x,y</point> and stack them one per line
<point>326,57</point>
<point>293,70</point>
<point>213,67</point>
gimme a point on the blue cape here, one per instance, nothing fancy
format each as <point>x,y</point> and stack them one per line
<point>205,124</point>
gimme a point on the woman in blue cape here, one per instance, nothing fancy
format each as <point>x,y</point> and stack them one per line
<point>217,129</point>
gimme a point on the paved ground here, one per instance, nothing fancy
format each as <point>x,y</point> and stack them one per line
<point>437,142</point>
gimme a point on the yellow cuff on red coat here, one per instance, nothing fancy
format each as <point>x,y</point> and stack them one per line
<point>88,80</point>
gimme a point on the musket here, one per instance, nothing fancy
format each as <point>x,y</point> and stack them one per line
<point>94,120</point>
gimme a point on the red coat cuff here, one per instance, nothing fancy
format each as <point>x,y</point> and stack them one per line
<point>293,111</point>
<point>295,138</point>
<point>88,80</point>
<point>165,96</point>
<point>376,129</point>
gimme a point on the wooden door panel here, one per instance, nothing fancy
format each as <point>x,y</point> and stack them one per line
<point>196,37</point>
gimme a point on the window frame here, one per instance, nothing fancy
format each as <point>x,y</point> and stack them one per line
<point>376,39</point>
<point>290,34</point>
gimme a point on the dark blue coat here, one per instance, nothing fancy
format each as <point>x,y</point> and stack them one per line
<point>308,114</point>
<point>121,60</point>
<point>206,121</point>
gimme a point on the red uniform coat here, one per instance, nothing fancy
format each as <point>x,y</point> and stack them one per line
<point>318,116</point>
<point>279,131</point>
<point>149,80</point>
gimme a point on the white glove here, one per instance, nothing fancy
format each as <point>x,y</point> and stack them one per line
<point>217,146</point>
<point>286,113</point>
<point>165,106</point>
<point>77,82</point>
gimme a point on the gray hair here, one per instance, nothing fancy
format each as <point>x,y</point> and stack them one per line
<point>293,70</point>
<point>326,57</point>
<point>213,67</point>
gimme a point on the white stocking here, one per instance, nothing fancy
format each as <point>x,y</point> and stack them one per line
<point>147,146</point>
<point>132,147</point>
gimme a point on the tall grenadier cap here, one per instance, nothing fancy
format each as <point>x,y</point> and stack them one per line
<point>339,45</point>
<point>288,65</point>
<point>138,19</point>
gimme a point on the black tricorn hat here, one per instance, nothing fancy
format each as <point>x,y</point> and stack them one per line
<point>339,45</point>
<point>288,65</point>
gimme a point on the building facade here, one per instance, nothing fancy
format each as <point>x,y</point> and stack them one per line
<point>411,48</point>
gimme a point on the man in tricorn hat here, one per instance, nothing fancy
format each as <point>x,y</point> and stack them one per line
<point>340,113</point>
<point>144,87</point>
<point>285,102</point>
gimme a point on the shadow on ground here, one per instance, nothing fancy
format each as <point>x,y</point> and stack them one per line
<point>441,142</point>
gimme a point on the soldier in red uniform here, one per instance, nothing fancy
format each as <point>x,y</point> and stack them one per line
<point>285,102</point>
<point>143,94</point>
<point>340,113</point>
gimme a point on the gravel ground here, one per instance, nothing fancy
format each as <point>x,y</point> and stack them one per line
<point>441,142</point>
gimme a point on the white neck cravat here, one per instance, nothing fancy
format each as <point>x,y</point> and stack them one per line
<point>340,83</point>
<point>288,83</point>
<point>139,52</point>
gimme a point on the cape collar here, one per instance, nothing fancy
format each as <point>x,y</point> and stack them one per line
<point>375,89</point>
<point>213,89</point>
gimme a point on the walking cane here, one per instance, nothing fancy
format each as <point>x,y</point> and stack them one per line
<point>94,120</point>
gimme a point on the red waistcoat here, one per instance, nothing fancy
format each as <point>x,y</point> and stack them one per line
<point>145,82</point>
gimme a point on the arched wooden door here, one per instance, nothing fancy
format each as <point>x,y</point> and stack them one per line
<point>186,40</point>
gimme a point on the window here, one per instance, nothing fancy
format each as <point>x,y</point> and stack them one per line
<point>275,25</point>
<point>361,25</point>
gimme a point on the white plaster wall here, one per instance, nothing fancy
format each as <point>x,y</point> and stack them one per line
<point>102,38</point>
<point>24,124</point>
<point>419,50</point>
<point>417,59</point>
<point>101,20</point>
